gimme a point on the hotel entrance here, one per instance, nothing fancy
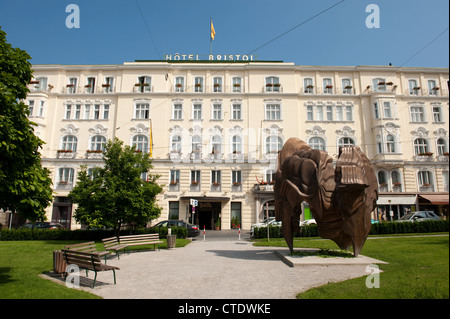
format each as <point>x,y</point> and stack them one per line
<point>207,215</point>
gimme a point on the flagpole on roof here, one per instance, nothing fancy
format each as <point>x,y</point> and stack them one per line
<point>210,37</point>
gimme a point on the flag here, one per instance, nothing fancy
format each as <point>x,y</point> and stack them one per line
<point>213,32</point>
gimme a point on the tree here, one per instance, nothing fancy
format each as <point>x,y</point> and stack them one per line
<point>25,186</point>
<point>115,194</point>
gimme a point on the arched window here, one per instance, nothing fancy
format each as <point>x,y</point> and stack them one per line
<point>425,179</point>
<point>237,144</point>
<point>69,143</point>
<point>346,141</point>
<point>176,144</point>
<point>441,146</point>
<point>396,180</point>
<point>420,146</point>
<point>141,143</point>
<point>317,143</point>
<point>98,143</point>
<point>273,144</point>
<point>382,178</point>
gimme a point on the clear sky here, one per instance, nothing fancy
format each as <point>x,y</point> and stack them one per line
<point>410,33</point>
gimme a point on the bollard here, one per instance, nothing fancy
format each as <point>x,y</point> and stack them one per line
<point>239,232</point>
<point>204,232</point>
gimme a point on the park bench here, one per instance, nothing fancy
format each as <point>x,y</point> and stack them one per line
<point>88,261</point>
<point>112,243</point>
<point>89,247</point>
<point>124,242</point>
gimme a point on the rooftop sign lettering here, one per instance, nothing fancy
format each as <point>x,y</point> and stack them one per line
<point>210,57</point>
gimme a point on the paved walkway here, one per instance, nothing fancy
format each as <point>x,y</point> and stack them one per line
<point>222,266</point>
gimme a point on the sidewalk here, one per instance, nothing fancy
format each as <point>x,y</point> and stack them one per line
<point>219,267</point>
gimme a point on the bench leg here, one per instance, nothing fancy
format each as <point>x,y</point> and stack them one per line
<point>114,273</point>
<point>95,278</point>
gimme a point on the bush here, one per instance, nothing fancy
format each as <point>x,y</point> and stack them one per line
<point>81,234</point>
<point>432,226</point>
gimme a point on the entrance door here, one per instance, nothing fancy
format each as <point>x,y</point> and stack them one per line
<point>208,214</point>
<point>62,212</point>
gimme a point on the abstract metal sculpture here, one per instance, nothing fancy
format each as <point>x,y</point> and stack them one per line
<point>341,199</point>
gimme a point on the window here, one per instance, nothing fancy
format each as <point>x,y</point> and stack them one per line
<point>413,87</point>
<point>217,111</point>
<point>175,146</point>
<point>72,86</point>
<point>196,147</point>
<point>319,113</point>
<point>236,144</point>
<point>236,178</point>
<point>437,114</point>
<point>309,87</point>
<point>339,114</point>
<point>65,175</point>
<point>195,177</point>
<point>217,83</point>
<point>309,113</point>
<point>177,111</point>
<point>327,86</point>
<point>272,84</point>
<point>216,178</point>
<point>108,86</point>
<point>420,146</point>
<point>179,84</point>
<point>69,143</point>
<point>87,111</point>
<point>329,113</point>
<point>77,111</point>
<point>141,143</point>
<point>376,111</point>
<point>346,141</point>
<point>425,178</point>
<point>317,143</point>
<point>236,110</point>
<point>98,143</point>
<point>144,84</point>
<point>417,114</point>
<point>441,146</point>
<point>216,146</point>
<point>174,210</point>
<point>40,84</point>
<point>273,112</point>
<point>390,144</point>
<point>174,176</point>
<point>432,88</point>
<point>396,179</point>
<point>41,109</point>
<point>273,144</point>
<point>236,218</point>
<point>379,85</point>
<point>237,85</point>
<point>387,110</point>
<point>382,179</point>
<point>197,112</point>
<point>31,107</point>
<point>349,113</point>
<point>105,111</point>
<point>198,84</point>
<point>90,85</point>
<point>270,176</point>
<point>142,111</point>
<point>96,111</point>
<point>68,113</point>
<point>346,86</point>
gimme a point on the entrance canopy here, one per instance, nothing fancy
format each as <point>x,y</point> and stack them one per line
<point>206,198</point>
<point>433,199</point>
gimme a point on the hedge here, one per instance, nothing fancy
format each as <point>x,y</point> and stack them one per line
<point>432,226</point>
<point>80,234</point>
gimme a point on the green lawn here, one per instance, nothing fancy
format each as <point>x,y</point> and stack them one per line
<point>418,268</point>
<point>22,261</point>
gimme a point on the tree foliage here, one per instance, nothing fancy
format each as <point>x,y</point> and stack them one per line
<point>115,194</point>
<point>25,186</point>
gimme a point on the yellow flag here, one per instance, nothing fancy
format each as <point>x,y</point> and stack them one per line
<point>213,32</point>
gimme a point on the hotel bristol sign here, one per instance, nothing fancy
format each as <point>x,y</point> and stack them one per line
<point>210,57</point>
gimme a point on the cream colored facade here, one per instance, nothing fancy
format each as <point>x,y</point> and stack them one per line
<point>221,125</point>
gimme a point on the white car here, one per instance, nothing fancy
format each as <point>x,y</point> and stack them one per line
<point>308,222</point>
<point>270,221</point>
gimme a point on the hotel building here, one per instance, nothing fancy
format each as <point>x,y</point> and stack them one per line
<point>213,129</point>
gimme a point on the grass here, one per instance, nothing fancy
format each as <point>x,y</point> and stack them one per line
<point>22,261</point>
<point>418,269</point>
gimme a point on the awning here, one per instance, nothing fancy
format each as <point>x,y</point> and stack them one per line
<point>434,199</point>
<point>206,198</point>
<point>397,200</point>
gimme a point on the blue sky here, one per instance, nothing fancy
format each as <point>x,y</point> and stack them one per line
<point>114,31</point>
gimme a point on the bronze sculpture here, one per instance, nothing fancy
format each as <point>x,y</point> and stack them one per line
<point>341,199</point>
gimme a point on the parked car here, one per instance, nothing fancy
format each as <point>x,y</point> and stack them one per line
<point>42,225</point>
<point>193,230</point>
<point>270,221</point>
<point>308,222</point>
<point>419,216</point>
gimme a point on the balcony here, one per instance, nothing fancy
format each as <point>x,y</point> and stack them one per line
<point>94,154</point>
<point>328,90</point>
<point>424,157</point>
<point>87,89</point>
<point>65,154</point>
